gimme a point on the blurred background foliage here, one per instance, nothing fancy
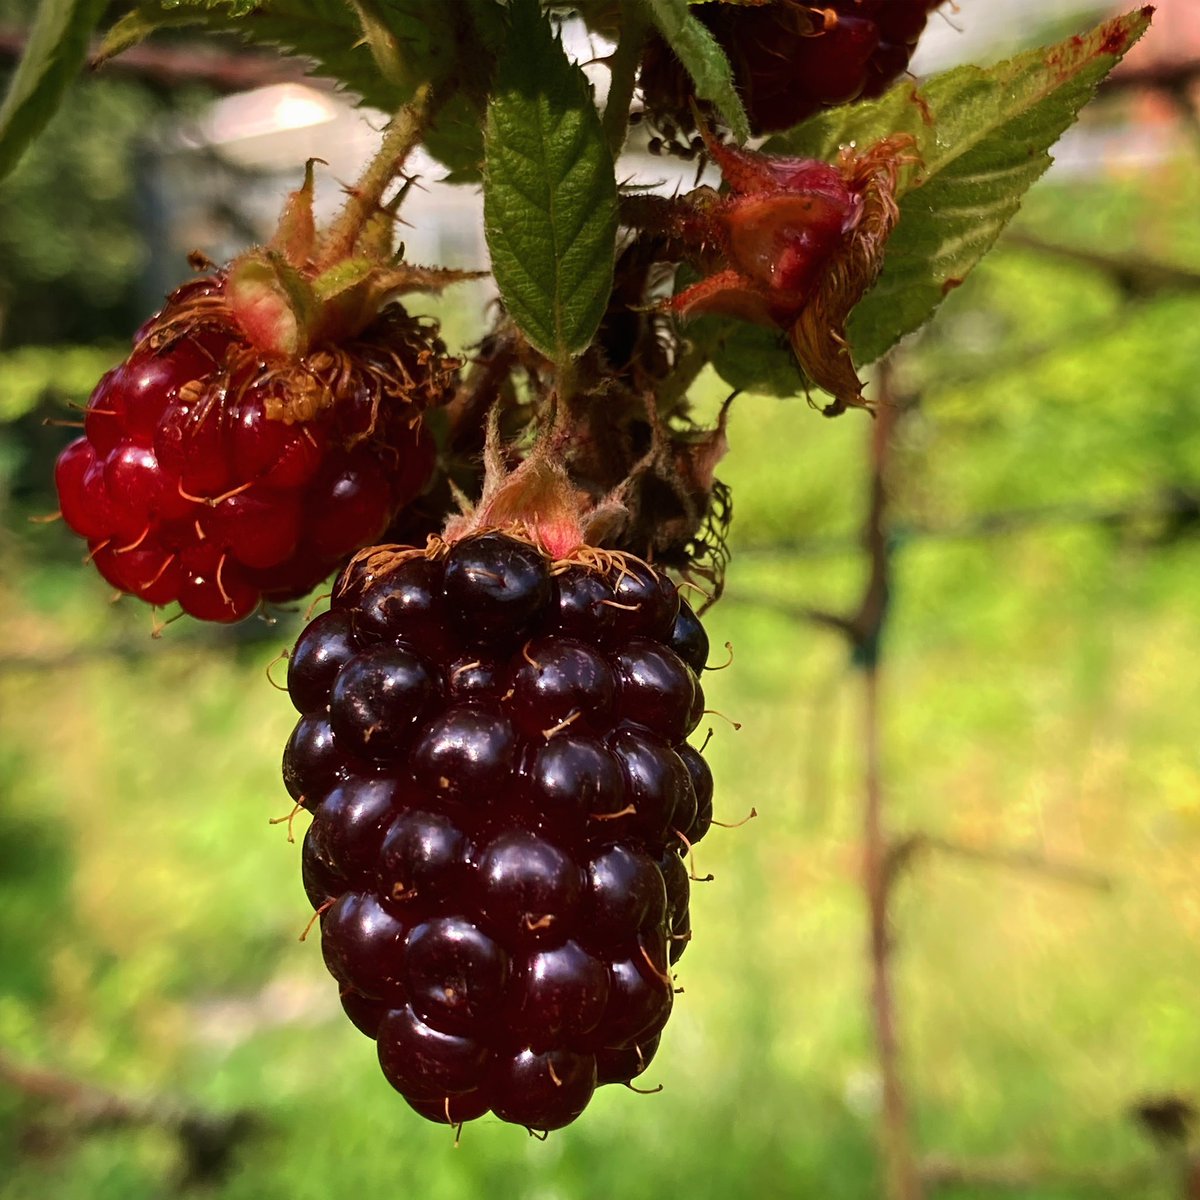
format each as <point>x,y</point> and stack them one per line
<point>1041,691</point>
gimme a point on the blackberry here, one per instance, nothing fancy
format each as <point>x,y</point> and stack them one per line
<point>790,58</point>
<point>492,745</point>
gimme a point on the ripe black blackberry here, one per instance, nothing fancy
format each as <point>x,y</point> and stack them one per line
<point>492,747</point>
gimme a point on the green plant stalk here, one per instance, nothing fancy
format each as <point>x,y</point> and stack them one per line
<point>623,65</point>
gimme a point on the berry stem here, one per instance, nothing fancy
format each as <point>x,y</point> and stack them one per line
<point>623,65</point>
<point>381,41</point>
<point>365,198</point>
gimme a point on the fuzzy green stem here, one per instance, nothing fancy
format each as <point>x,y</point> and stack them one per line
<point>366,196</point>
<point>623,66</point>
<point>381,41</point>
<point>563,405</point>
<point>672,391</point>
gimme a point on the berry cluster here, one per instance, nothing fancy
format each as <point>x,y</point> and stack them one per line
<point>791,58</point>
<point>196,480</point>
<point>493,749</point>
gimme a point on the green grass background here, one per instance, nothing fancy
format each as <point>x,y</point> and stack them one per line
<point>1042,693</point>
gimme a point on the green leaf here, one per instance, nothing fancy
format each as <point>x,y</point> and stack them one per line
<point>983,137</point>
<point>327,32</point>
<point>455,134</point>
<point>550,194</point>
<point>704,59</point>
<point>57,48</point>
<point>751,358</point>
<point>455,138</point>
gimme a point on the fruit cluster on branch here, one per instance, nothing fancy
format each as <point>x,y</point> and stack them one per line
<point>495,709</point>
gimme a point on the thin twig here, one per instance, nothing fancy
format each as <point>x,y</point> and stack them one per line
<point>1179,505</point>
<point>902,1179</point>
<point>1025,1175</point>
<point>171,66</point>
<point>1185,105</point>
<point>1137,276</point>
<point>208,1141</point>
<point>1154,76</point>
<point>864,632</point>
<point>1019,860</point>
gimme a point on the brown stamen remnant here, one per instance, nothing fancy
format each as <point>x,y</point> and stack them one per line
<point>134,544</point>
<point>643,1091</point>
<point>727,663</point>
<point>282,656</point>
<point>145,587</point>
<point>157,623</point>
<point>628,810</point>
<point>712,712</point>
<point>563,724</point>
<point>317,913</point>
<point>229,495</point>
<point>220,581</point>
<point>695,587</point>
<point>308,612</point>
<point>663,975</point>
<point>738,824</point>
<point>290,819</point>
<point>691,855</point>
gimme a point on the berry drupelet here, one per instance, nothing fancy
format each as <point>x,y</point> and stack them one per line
<point>492,746</point>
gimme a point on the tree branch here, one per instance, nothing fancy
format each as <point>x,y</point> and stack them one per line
<point>902,1180</point>
<point>208,1141</point>
<point>1137,277</point>
<point>170,66</point>
<point>903,851</point>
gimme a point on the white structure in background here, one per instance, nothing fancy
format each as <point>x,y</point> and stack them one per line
<point>263,138</point>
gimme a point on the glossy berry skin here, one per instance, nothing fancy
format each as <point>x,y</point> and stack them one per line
<point>196,481</point>
<point>791,59</point>
<point>494,753</point>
